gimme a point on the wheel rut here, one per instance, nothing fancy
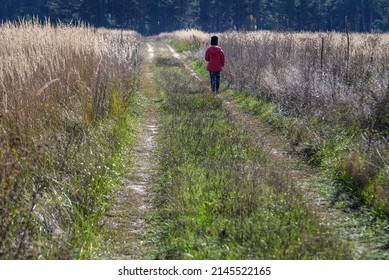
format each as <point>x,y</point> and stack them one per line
<point>128,222</point>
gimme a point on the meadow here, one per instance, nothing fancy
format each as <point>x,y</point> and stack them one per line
<point>332,93</point>
<point>326,92</point>
<point>66,96</point>
<point>327,95</point>
<point>70,105</point>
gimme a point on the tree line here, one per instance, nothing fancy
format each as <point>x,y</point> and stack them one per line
<point>155,16</point>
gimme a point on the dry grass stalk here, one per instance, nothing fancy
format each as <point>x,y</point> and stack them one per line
<point>336,79</point>
<point>185,35</point>
<point>55,84</point>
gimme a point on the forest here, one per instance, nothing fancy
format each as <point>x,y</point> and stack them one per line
<point>155,16</point>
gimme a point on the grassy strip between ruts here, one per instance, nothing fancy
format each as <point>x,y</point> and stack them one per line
<point>221,197</point>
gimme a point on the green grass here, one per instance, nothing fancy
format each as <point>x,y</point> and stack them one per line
<point>359,175</point>
<point>355,175</point>
<point>352,154</point>
<point>66,190</point>
<point>221,197</point>
<point>181,46</point>
<point>345,176</point>
<point>200,66</point>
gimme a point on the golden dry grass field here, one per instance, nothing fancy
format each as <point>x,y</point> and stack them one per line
<point>70,105</point>
<point>63,92</point>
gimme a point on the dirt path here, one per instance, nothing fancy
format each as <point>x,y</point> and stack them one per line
<point>128,221</point>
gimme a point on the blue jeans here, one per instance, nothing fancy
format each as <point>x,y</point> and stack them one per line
<point>215,81</point>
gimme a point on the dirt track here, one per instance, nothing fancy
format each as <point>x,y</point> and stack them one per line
<point>128,221</point>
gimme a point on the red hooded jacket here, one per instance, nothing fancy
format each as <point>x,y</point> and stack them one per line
<point>215,57</point>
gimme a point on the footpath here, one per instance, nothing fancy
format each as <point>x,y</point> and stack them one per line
<point>128,221</point>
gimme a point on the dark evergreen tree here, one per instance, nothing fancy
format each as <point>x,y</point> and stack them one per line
<point>381,9</point>
<point>285,14</point>
<point>188,13</point>
<point>154,16</point>
<point>247,14</point>
<point>93,11</point>
<point>302,15</point>
<point>367,16</point>
<point>11,9</point>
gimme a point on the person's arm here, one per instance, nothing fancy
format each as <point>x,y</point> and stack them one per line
<point>222,58</point>
<point>207,55</point>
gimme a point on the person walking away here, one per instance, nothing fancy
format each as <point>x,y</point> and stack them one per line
<point>215,57</point>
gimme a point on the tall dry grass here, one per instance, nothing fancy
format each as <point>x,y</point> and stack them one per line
<point>312,71</point>
<point>57,85</point>
<point>334,87</point>
<point>185,35</point>
<point>192,42</point>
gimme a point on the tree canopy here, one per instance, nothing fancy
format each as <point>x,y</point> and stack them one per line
<point>155,16</point>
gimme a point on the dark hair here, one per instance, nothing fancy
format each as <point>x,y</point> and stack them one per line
<point>214,40</point>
